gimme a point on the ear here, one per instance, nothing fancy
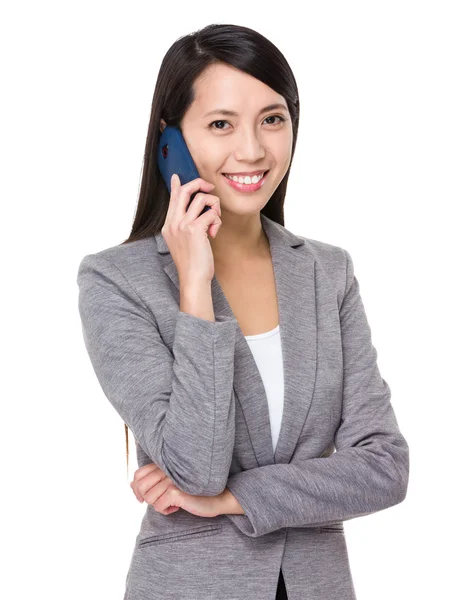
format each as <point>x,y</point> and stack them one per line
<point>162,125</point>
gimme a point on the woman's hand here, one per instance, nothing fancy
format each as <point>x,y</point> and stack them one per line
<point>186,227</point>
<point>151,484</point>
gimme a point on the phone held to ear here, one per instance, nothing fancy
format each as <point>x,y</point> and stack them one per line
<point>174,157</point>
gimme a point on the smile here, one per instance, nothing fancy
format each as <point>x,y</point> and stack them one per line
<point>246,184</point>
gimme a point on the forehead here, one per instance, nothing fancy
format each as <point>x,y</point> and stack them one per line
<point>223,86</point>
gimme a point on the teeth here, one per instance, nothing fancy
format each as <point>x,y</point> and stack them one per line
<point>247,179</point>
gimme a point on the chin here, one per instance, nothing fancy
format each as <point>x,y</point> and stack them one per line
<point>241,209</point>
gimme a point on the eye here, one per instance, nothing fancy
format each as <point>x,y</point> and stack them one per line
<point>213,122</point>
<point>281,120</point>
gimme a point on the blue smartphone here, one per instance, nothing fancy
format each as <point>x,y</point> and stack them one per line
<point>174,157</point>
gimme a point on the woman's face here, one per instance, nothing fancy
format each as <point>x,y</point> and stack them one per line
<point>252,140</point>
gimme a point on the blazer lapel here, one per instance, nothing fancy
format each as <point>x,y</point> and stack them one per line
<point>295,284</point>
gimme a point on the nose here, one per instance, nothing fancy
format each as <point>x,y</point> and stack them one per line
<point>249,148</point>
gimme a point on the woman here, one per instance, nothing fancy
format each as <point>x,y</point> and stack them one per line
<point>237,352</point>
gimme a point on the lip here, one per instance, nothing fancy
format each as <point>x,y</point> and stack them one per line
<point>245,187</point>
<point>250,173</point>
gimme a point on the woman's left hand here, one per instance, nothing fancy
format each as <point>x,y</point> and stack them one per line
<point>151,484</point>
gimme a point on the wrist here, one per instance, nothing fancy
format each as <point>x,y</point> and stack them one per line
<point>197,301</point>
<point>229,505</point>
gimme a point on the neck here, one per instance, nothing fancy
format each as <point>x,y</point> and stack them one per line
<point>239,239</point>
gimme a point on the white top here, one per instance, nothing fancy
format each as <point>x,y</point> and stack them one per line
<point>266,349</point>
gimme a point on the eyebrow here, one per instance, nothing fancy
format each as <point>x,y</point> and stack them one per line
<point>232,113</point>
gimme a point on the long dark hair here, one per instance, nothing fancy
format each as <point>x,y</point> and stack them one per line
<point>240,47</point>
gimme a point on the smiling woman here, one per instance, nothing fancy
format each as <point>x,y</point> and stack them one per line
<point>249,153</point>
<point>211,407</point>
<point>233,95</point>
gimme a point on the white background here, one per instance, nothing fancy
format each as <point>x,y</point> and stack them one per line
<point>373,172</point>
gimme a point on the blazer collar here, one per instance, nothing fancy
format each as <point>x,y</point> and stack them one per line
<point>294,273</point>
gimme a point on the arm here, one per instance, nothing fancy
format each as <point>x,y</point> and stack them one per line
<point>368,472</point>
<point>228,504</point>
<point>180,405</point>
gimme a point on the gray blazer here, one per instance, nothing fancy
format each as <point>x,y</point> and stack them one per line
<point>191,394</point>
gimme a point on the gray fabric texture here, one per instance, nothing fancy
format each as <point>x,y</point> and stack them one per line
<point>192,395</point>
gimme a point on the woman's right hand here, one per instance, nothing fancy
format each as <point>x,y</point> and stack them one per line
<point>186,233</point>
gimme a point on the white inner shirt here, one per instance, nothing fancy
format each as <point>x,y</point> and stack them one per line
<point>266,349</point>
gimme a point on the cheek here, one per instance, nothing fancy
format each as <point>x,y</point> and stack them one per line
<point>206,156</point>
<point>283,149</point>
<point>206,152</point>
<point>208,163</point>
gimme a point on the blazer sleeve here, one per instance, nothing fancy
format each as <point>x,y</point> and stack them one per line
<point>369,470</point>
<point>179,405</point>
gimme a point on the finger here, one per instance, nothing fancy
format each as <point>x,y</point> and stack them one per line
<point>171,497</point>
<point>175,186</point>
<point>181,194</point>
<point>136,493</point>
<point>150,482</point>
<point>208,218</point>
<point>144,471</point>
<point>198,203</point>
<point>139,475</point>
<point>153,493</point>
<point>213,229</point>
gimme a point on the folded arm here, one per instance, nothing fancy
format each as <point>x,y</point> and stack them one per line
<point>370,469</point>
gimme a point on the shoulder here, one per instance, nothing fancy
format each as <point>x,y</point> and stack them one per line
<point>333,263</point>
<point>112,279</point>
<point>124,259</point>
<point>119,274</point>
<point>323,251</point>
<point>331,257</point>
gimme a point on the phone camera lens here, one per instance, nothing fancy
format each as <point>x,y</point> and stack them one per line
<point>164,151</point>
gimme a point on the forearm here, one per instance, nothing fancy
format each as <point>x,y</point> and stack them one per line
<point>351,483</point>
<point>197,301</point>
<point>229,505</point>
